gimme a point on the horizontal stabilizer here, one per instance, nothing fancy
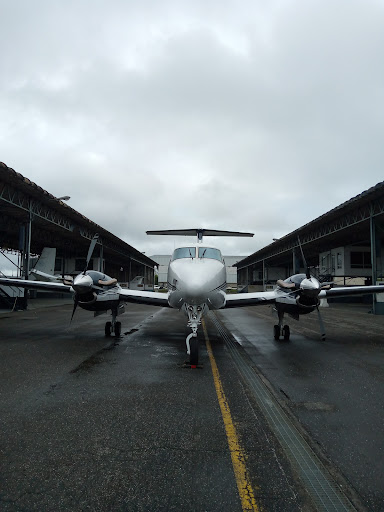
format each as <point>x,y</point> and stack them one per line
<point>199,232</point>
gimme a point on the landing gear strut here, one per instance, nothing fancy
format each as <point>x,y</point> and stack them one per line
<point>280,330</point>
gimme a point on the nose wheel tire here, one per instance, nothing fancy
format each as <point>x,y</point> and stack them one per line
<point>194,351</point>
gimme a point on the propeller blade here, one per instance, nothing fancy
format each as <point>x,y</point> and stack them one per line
<point>90,250</point>
<point>74,308</point>
<point>307,272</point>
<point>325,284</point>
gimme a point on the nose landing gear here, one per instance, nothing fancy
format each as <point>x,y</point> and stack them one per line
<point>195,314</point>
<point>113,326</point>
<point>280,330</point>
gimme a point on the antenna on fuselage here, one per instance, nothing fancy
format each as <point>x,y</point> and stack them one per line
<point>199,232</point>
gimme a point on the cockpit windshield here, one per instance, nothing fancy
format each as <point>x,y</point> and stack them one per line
<point>210,252</point>
<point>184,252</point>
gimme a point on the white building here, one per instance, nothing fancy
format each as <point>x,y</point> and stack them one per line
<point>350,264</point>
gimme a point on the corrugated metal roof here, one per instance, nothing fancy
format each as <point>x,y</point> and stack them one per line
<point>18,181</point>
<point>356,202</point>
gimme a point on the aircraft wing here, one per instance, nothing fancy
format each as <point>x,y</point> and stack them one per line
<point>346,291</point>
<point>237,300</point>
<point>36,285</point>
<point>144,297</point>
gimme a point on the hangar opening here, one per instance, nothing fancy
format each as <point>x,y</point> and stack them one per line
<point>33,219</point>
<point>345,245</point>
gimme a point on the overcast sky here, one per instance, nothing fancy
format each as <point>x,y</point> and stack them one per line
<point>256,115</point>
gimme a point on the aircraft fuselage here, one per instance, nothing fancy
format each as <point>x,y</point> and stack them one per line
<point>197,276</point>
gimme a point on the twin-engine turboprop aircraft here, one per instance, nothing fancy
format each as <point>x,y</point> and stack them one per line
<point>196,284</point>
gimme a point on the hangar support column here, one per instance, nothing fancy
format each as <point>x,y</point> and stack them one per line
<point>25,247</point>
<point>376,237</point>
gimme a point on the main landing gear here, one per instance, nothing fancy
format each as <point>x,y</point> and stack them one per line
<point>194,319</point>
<point>280,330</point>
<point>113,327</point>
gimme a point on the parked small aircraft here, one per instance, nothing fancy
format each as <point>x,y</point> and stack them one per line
<point>196,284</point>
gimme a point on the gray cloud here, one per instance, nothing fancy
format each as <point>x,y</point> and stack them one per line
<point>158,115</point>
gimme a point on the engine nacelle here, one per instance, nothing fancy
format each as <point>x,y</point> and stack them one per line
<point>305,301</point>
<point>87,298</point>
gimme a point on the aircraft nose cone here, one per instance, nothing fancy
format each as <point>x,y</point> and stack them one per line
<point>192,289</point>
<point>197,287</point>
<point>82,283</point>
<point>310,286</point>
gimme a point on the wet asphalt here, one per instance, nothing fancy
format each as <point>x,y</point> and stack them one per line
<point>335,388</point>
<point>95,423</point>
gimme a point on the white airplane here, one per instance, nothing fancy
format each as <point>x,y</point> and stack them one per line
<point>196,284</point>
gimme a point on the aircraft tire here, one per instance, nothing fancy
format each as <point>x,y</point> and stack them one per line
<point>276,332</point>
<point>286,332</point>
<point>117,328</point>
<point>194,351</point>
<point>108,328</point>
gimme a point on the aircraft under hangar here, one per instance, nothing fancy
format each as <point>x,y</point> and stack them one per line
<point>32,218</point>
<point>344,245</point>
<point>197,283</point>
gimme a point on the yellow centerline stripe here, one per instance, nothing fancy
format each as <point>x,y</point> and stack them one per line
<point>238,457</point>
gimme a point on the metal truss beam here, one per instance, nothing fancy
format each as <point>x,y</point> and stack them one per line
<point>43,214</point>
<point>34,207</point>
<point>320,230</point>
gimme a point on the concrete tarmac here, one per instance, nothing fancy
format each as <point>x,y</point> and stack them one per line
<point>95,423</point>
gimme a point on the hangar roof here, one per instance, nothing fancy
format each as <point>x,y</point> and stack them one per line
<point>347,224</point>
<point>55,224</point>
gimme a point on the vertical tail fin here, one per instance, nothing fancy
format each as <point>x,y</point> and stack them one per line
<point>46,262</point>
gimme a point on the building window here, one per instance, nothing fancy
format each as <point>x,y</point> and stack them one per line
<point>339,260</point>
<point>361,260</point>
<point>324,261</point>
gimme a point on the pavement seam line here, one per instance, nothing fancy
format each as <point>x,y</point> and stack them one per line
<point>247,496</point>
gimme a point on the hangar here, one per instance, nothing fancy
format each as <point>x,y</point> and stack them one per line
<point>344,245</point>
<point>32,218</point>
